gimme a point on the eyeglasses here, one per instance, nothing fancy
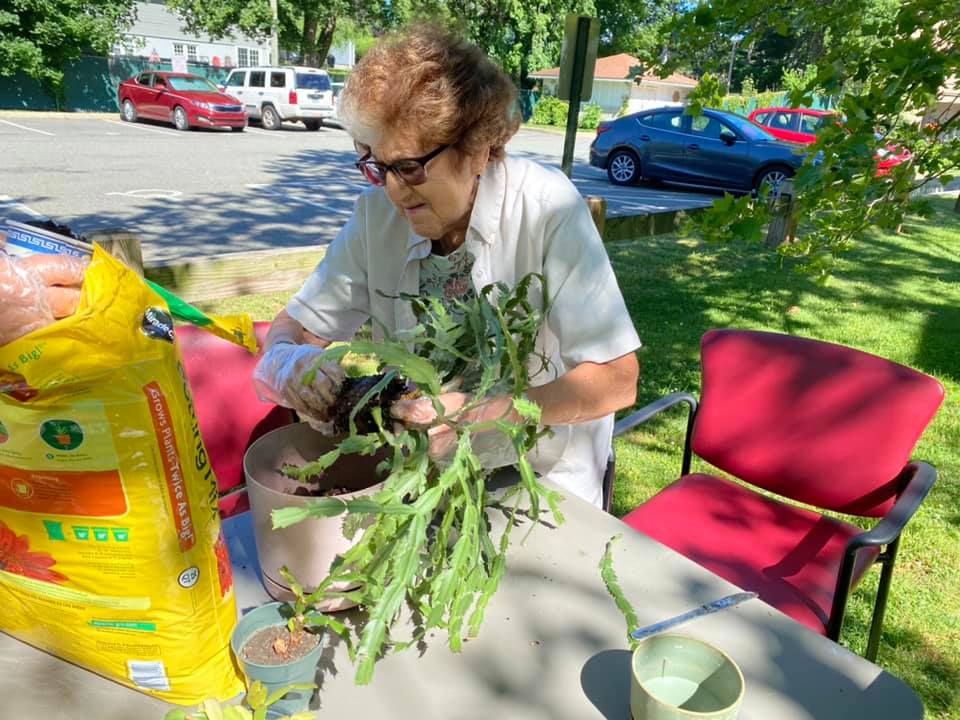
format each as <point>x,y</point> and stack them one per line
<point>411,171</point>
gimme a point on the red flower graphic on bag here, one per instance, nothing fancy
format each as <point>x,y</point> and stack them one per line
<point>15,557</point>
<point>224,571</point>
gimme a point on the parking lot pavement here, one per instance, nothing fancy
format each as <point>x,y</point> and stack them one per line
<point>210,192</point>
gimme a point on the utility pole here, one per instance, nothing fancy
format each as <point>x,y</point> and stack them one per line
<point>733,54</point>
<point>274,41</point>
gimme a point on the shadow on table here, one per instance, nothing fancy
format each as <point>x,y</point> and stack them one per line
<point>605,680</point>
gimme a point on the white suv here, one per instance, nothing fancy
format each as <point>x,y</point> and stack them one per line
<point>275,94</point>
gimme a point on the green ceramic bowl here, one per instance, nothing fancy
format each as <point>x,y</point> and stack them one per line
<point>676,677</point>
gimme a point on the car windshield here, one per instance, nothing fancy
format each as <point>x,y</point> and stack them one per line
<point>195,84</point>
<point>747,128</point>
<point>312,81</point>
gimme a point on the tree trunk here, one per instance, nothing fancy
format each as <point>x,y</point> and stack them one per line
<point>956,205</point>
<point>308,42</point>
<point>325,40</point>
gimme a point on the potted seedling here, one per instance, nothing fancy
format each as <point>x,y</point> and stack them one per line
<point>259,704</point>
<point>278,646</point>
<point>425,539</point>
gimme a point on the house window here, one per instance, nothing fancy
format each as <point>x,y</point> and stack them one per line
<point>178,49</point>
<point>192,53</point>
<point>248,57</point>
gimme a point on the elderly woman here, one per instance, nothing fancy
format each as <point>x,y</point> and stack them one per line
<point>447,213</point>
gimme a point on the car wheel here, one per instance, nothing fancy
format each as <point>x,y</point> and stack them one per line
<point>769,181</point>
<point>128,111</point>
<point>269,118</point>
<point>312,124</point>
<point>623,167</point>
<point>180,119</point>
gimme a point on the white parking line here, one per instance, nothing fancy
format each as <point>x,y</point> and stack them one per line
<point>272,133</point>
<point>133,126</point>
<point>266,189</point>
<point>7,201</point>
<point>24,127</point>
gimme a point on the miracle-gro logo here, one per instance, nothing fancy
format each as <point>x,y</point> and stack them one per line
<point>158,324</point>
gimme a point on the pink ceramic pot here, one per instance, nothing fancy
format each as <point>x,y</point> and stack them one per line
<point>310,547</point>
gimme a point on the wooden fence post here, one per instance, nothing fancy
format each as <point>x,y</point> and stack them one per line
<point>124,245</point>
<point>783,225</point>
<point>598,211</point>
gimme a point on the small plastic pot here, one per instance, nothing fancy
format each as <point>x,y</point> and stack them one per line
<point>274,677</point>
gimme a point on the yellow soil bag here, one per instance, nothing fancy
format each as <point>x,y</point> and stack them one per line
<point>111,554</point>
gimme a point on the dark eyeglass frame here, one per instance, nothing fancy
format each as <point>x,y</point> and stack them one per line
<point>415,172</point>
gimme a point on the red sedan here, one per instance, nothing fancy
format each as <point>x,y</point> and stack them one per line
<point>185,100</point>
<point>800,125</point>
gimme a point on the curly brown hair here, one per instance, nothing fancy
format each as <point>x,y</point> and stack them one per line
<point>432,83</point>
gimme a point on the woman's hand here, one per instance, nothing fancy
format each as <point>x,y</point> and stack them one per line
<point>279,378</point>
<point>420,412</point>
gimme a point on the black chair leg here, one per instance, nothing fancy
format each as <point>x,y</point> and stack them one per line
<point>888,559</point>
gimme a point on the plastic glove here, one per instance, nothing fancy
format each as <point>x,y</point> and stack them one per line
<point>493,448</point>
<point>23,302</point>
<point>279,378</point>
<point>62,270</point>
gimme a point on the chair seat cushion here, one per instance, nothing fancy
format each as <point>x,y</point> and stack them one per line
<point>790,556</point>
<point>229,413</point>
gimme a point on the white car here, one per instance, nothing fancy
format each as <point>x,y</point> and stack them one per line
<point>274,95</point>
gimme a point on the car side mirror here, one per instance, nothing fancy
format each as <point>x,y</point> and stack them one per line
<point>728,137</point>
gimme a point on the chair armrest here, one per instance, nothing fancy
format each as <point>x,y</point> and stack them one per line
<point>630,421</point>
<point>922,477</point>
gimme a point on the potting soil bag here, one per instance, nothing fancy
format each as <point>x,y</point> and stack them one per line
<point>111,554</point>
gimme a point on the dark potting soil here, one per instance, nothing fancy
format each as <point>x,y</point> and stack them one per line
<point>274,646</point>
<point>350,394</point>
<point>310,491</point>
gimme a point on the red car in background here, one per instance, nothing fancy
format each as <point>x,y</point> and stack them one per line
<point>800,125</point>
<point>183,99</point>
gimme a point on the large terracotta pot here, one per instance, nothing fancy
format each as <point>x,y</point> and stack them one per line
<point>310,547</point>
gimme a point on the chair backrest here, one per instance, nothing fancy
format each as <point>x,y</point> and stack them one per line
<point>820,423</point>
<point>230,414</point>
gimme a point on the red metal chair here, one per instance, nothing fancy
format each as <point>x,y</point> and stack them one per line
<point>230,414</point>
<point>819,424</point>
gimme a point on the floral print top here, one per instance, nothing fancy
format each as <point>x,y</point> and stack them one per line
<point>448,277</point>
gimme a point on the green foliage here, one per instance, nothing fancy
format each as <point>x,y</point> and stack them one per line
<point>38,37</point>
<point>590,116</point>
<point>612,583</point>
<point>708,93</point>
<point>425,538</point>
<point>257,703</point>
<point>739,104</point>
<point>624,106</point>
<point>886,62</point>
<point>799,81</point>
<point>307,27</point>
<point>550,111</point>
<point>747,88</point>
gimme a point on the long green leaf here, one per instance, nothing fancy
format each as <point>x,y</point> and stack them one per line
<point>612,583</point>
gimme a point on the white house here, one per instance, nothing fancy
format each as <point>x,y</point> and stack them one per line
<point>612,85</point>
<point>158,34</point>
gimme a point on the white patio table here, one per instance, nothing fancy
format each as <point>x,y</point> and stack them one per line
<point>553,646</point>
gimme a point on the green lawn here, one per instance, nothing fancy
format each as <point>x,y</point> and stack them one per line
<point>896,296</point>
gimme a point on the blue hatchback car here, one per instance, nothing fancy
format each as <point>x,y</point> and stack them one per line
<point>716,149</point>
